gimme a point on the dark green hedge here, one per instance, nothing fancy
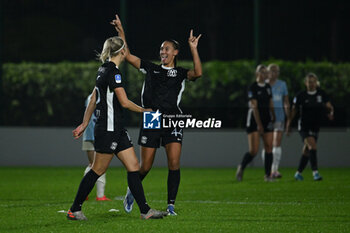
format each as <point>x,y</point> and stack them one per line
<point>36,94</point>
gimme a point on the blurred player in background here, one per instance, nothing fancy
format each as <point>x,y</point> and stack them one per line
<point>312,105</point>
<point>281,108</point>
<point>260,120</point>
<point>162,90</point>
<point>88,146</point>
<point>111,138</point>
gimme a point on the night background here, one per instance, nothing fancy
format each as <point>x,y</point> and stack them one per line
<point>53,31</point>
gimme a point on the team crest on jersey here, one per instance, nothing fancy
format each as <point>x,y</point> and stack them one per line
<point>172,73</point>
<point>268,91</point>
<point>118,78</point>
<point>319,99</point>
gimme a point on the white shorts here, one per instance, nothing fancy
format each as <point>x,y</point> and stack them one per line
<point>88,145</point>
<point>278,126</point>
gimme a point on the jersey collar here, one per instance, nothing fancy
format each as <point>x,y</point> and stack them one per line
<point>312,92</point>
<point>261,84</point>
<point>167,68</point>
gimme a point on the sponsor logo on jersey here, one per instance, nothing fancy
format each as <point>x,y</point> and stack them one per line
<point>172,73</point>
<point>152,120</point>
<point>319,99</point>
<point>118,78</point>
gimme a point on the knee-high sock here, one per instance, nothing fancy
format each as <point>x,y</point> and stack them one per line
<point>85,187</point>
<point>247,158</point>
<point>303,162</point>
<point>87,169</point>
<point>268,163</point>
<point>136,189</point>
<point>100,185</point>
<point>173,185</point>
<point>142,176</point>
<point>313,160</point>
<point>277,154</point>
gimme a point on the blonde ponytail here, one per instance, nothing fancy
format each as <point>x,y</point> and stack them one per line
<point>111,47</point>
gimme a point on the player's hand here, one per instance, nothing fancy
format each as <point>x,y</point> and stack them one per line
<point>192,40</point>
<point>77,132</point>
<point>118,25</point>
<point>330,116</point>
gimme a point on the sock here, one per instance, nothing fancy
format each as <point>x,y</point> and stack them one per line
<point>87,169</point>
<point>100,186</point>
<point>142,176</point>
<point>246,160</point>
<point>136,189</point>
<point>277,154</point>
<point>85,187</point>
<point>303,162</point>
<point>263,155</point>
<point>268,163</point>
<point>313,160</point>
<point>173,185</point>
<point>314,172</point>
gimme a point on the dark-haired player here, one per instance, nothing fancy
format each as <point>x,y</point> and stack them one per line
<point>109,99</point>
<point>311,105</point>
<point>162,90</point>
<point>260,120</point>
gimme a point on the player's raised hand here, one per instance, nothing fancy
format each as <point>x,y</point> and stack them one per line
<point>192,40</point>
<point>118,25</point>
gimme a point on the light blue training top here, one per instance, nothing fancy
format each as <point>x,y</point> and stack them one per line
<point>89,131</point>
<point>279,91</point>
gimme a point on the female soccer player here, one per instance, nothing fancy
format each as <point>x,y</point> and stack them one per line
<point>281,108</point>
<point>259,122</point>
<point>162,90</point>
<point>88,146</point>
<point>311,105</point>
<point>109,97</point>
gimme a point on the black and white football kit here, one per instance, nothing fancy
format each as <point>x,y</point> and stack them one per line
<point>311,106</point>
<point>162,90</point>
<point>110,135</point>
<point>262,94</point>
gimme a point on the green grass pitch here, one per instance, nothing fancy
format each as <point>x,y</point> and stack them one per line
<point>209,200</point>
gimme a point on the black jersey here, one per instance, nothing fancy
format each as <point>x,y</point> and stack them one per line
<point>163,87</point>
<point>262,94</point>
<point>311,109</point>
<point>108,109</point>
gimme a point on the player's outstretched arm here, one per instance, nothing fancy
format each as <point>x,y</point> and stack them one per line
<point>197,65</point>
<point>77,132</point>
<point>126,103</point>
<point>330,109</point>
<point>132,59</point>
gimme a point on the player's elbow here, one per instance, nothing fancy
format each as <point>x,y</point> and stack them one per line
<point>124,103</point>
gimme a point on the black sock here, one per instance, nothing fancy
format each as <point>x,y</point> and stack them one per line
<point>247,158</point>
<point>173,185</point>
<point>268,163</point>
<point>313,160</point>
<point>136,189</point>
<point>142,176</point>
<point>85,187</point>
<point>303,162</point>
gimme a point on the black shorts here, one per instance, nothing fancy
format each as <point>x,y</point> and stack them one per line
<point>304,133</point>
<point>153,138</point>
<point>112,142</point>
<point>268,127</point>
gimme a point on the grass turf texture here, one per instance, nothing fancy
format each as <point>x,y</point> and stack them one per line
<point>209,200</point>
